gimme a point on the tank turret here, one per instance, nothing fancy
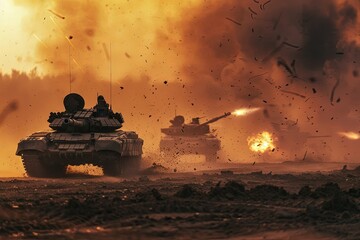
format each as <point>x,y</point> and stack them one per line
<point>190,138</point>
<point>194,128</point>
<point>75,118</point>
<point>82,136</point>
<point>216,119</point>
<point>292,139</point>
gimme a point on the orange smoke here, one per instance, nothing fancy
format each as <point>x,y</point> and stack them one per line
<point>81,29</point>
<point>261,143</point>
<point>10,107</point>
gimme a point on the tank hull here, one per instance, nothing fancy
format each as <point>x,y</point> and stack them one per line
<point>115,150</point>
<point>175,146</point>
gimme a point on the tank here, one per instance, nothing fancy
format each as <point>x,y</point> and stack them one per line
<point>191,138</point>
<point>82,136</point>
<point>291,139</point>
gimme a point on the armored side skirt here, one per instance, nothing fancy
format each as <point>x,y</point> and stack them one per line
<point>189,145</point>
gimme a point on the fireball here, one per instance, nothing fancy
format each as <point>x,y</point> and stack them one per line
<point>350,135</point>
<point>261,142</point>
<point>244,111</point>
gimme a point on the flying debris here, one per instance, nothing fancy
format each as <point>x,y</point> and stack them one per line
<point>263,6</point>
<point>293,93</point>
<point>278,48</point>
<point>290,69</point>
<point>232,20</point>
<point>333,90</point>
<point>56,14</point>
<point>258,75</point>
<point>252,11</point>
<point>40,41</point>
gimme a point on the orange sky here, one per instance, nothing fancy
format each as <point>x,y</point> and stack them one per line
<point>16,45</point>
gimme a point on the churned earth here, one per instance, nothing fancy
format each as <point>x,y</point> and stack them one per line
<point>243,201</point>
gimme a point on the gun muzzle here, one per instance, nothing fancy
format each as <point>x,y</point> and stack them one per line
<point>71,125</point>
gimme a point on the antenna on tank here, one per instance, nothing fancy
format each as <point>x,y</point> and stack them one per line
<point>70,80</point>
<point>110,76</point>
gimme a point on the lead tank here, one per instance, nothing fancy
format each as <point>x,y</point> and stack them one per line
<point>82,136</point>
<point>192,138</point>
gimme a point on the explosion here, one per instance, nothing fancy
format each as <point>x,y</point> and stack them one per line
<point>244,111</point>
<point>350,135</point>
<point>261,142</point>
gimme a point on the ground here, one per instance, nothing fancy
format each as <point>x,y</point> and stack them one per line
<point>243,201</point>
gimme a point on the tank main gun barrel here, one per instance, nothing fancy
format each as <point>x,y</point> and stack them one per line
<point>73,124</point>
<point>216,119</point>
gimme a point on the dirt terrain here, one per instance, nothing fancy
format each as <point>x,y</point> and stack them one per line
<point>261,201</point>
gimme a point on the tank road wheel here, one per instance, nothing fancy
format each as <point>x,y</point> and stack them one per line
<point>110,163</point>
<point>111,168</point>
<point>211,156</point>
<point>130,165</point>
<point>121,166</point>
<point>35,167</point>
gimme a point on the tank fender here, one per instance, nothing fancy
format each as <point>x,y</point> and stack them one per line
<point>31,145</point>
<point>109,144</point>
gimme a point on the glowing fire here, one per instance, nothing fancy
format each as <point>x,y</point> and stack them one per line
<point>350,135</point>
<point>244,111</point>
<point>261,142</point>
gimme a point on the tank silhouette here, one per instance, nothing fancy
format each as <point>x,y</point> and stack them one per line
<point>82,136</point>
<point>192,138</point>
<point>290,137</point>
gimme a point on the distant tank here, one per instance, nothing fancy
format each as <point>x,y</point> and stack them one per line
<point>192,138</point>
<point>292,139</point>
<point>82,136</point>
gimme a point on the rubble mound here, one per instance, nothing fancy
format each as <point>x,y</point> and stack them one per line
<point>188,191</point>
<point>327,190</point>
<point>340,202</point>
<point>149,196</point>
<point>155,169</point>
<point>354,192</point>
<point>267,192</point>
<point>230,191</point>
<point>357,169</point>
<point>305,191</point>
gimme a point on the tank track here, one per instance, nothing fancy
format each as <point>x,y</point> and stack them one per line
<point>35,167</point>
